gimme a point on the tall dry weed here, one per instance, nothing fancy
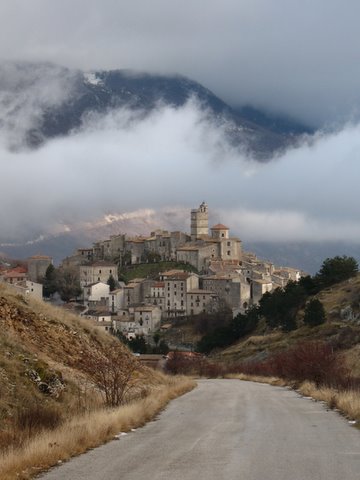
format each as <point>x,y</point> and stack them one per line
<point>79,434</point>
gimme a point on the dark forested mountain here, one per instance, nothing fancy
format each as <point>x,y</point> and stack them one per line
<point>42,101</point>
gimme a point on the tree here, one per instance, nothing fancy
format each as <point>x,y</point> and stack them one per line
<point>337,269</point>
<point>314,313</point>
<point>280,307</point>
<point>138,344</point>
<point>68,283</point>
<point>112,372</point>
<point>50,281</point>
<point>111,282</point>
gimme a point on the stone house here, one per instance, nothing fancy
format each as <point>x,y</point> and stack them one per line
<point>232,288</point>
<point>97,272</point>
<point>200,301</point>
<point>37,266</point>
<point>96,293</point>
<point>177,284</point>
<point>117,299</point>
<point>259,287</point>
<point>28,289</point>
<point>138,320</point>
<point>157,295</point>
<point>14,275</point>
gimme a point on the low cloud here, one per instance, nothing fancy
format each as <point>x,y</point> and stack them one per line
<point>175,158</point>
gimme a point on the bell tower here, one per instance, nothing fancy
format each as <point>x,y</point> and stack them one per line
<point>199,222</point>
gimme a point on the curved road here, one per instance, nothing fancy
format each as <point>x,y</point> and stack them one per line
<point>228,429</point>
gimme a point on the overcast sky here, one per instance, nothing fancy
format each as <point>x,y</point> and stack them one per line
<point>298,57</point>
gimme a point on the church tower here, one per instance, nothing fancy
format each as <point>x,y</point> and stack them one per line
<point>199,222</point>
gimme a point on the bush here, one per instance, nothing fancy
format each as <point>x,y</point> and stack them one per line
<point>184,364</point>
<point>313,361</point>
<point>112,372</point>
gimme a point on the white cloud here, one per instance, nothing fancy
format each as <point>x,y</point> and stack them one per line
<point>176,157</point>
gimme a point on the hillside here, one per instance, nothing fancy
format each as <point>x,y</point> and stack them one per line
<point>51,391</point>
<point>341,329</point>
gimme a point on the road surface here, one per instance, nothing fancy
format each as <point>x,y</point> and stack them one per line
<point>228,429</point>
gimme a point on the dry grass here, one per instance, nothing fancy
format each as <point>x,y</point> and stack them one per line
<point>87,431</point>
<point>347,401</point>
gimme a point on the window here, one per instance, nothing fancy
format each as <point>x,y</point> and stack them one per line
<point>228,244</point>
<point>228,252</point>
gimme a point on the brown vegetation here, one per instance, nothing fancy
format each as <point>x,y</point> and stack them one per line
<point>80,433</point>
<point>57,374</point>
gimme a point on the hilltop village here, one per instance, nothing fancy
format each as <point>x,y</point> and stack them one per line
<point>218,273</point>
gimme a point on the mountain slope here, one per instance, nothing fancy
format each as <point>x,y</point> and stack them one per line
<point>42,101</point>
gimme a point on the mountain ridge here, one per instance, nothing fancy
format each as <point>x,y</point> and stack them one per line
<point>61,98</point>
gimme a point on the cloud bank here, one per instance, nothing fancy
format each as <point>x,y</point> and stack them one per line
<point>176,158</point>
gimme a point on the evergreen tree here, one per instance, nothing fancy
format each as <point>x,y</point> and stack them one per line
<point>50,281</point>
<point>337,269</point>
<point>112,283</point>
<point>314,313</point>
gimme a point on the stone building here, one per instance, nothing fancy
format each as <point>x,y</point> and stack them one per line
<point>177,284</point>
<point>232,288</point>
<point>96,293</point>
<point>37,266</point>
<point>200,301</point>
<point>157,295</point>
<point>199,222</point>
<point>97,272</point>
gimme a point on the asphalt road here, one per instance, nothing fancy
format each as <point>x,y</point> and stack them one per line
<point>227,429</point>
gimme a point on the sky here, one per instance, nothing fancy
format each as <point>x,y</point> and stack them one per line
<point>300,58</point>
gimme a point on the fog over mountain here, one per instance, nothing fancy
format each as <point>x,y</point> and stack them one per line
<point>252,106</point>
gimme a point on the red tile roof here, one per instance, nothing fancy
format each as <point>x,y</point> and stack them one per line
<point>219,226</point>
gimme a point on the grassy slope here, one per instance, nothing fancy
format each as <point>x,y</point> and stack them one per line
<point>335,329</point>
<point>152,270</point>
<point>35,336</point>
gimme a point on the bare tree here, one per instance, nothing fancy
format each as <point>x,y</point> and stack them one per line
<point>112,372</point>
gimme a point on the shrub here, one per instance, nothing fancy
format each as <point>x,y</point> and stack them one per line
<point>112,372</point>
<point>313,361</point>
